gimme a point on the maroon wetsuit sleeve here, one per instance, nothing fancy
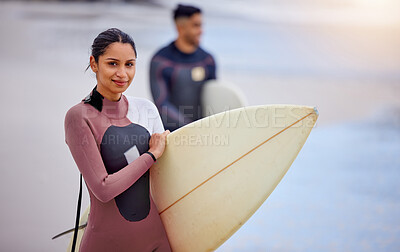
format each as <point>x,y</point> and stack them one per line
<point>86,154</point>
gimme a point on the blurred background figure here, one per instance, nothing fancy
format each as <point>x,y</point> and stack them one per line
<point>179,70</point>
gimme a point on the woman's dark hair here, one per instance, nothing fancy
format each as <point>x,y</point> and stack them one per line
<point>106,38</point>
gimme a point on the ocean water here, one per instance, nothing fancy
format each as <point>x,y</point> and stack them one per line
<point>341,194</point>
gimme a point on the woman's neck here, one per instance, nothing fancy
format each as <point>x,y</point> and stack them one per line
<point>108,95</point>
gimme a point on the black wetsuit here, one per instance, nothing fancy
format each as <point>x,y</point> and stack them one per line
<point>176,80</point>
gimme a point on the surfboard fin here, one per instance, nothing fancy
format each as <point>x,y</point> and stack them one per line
<point>69,231</point>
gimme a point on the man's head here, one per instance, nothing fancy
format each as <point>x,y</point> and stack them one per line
<point>188,24</point>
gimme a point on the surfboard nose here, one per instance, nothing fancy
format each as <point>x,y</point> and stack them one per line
<point>316,111</point>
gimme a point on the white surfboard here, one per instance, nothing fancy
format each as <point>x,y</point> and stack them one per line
<point>218,96</point>
<point>216,172</point>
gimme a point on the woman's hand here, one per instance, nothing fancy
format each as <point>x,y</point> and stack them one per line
<point>157,143</point>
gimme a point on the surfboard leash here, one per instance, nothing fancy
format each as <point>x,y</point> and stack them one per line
<point>78,215</point>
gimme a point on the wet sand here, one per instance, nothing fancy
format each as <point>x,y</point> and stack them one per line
<point>342,192</point>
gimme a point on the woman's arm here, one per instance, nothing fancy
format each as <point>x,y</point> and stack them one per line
<point>86,154</point>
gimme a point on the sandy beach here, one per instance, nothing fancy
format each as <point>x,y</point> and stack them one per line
<point>341,193</point>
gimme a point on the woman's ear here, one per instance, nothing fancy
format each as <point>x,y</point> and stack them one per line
<point>93,64</point>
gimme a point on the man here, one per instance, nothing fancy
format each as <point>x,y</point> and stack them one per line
<point>179,71</point>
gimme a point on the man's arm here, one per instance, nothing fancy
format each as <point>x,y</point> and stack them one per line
<point>160,82</point>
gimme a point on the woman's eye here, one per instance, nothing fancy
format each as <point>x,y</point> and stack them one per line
<point>130,64</point>
<point>112,63</point>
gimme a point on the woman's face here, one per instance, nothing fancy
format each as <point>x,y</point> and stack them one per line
<point>114,70</point>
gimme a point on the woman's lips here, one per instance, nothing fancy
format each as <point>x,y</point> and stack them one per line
<point>120,83</point>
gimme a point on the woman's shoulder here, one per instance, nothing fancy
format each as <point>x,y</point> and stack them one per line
<point>79,112</point>
<point>143,112</point>
<point>140,103</point>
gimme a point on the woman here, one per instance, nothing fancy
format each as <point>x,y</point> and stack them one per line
<point>114,140</point>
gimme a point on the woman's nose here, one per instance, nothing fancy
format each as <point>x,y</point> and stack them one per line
<point>121,72</point>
